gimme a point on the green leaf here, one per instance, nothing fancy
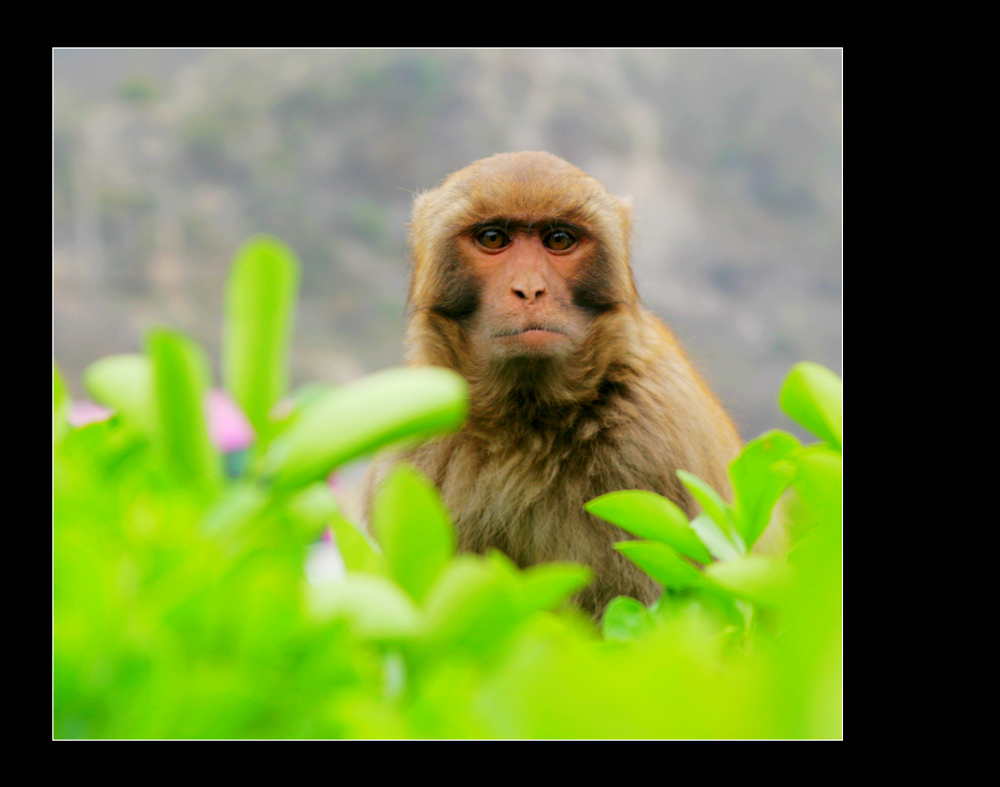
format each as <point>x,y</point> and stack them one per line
<point>547,585</point>
<point>413,529</point>
<point>241,503</point>
<point>663,563</point>
<point>624,619</point>
<point>375,607</point>
<point>818,490</point>
<point>60,404</point>
<point>711,535</point>
<point>651,516</point>
<point>357,552</point>
<point>814,396</point>
<point>363,416</point>
<point>717,509</point>
<point>759,477</point>
<point>125,384</point>
<point>260,306</point>
<point>180,383</point>
<point>754,578</point>
<point>473,605</point>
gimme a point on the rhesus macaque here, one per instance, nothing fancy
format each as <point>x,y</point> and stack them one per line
<point>521,282</point>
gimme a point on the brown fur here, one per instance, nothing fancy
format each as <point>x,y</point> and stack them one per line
<point>617,407</point>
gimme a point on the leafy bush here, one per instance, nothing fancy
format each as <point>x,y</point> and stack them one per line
<point>182,610</point>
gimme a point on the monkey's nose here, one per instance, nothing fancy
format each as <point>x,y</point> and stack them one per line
<point>529,293</point>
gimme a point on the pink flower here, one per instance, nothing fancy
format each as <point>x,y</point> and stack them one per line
<point>83,413</point>
<point>227,425</point>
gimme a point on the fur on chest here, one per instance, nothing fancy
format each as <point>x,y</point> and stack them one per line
<point>528,500</point>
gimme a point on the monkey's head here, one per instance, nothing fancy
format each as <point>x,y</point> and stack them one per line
<point>521,275</point>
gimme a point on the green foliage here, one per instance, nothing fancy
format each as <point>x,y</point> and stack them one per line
<point>260,301</point>
<point>416,551</point>
<point>814,396</point>
<point>182,608</point>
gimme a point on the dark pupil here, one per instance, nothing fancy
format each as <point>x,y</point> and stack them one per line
<point>559,240</point>
<point>492,239</point>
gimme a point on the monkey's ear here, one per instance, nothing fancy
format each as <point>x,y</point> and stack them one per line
<point>625,209</point>
<point>421,202</point>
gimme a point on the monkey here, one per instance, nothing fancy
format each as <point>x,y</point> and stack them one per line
<point>521,282</point>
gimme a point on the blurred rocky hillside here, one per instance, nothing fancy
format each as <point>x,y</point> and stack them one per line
<point>165,161</point>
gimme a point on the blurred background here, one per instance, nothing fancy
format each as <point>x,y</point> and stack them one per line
<point>166,160</point>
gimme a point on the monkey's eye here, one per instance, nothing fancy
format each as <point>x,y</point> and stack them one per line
<point>493,238</point>
<point>559,240</point>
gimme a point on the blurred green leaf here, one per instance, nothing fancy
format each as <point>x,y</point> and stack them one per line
<point>624,619</point>
<point>360,417</point>
<point>754,578</point>
<point>60,404</point>
<point>817,500</point>
<point>125,384</point>
<point>240,504</point>
<point>180,382</point>
<point>473,606</point>
<point>651,516</point>
<point>260,307</point>
<point>814,396</point>
<point>375,607</point>
<point>662,562</point>
<point>413,529</point>
<point>759,477</point>
<point>547,585</point>
<point>357,552</point>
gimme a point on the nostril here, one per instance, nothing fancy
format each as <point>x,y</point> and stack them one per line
<point>529,293</point>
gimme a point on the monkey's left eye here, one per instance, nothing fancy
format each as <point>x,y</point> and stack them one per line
<point>559,240</point>
<point>493,238</point>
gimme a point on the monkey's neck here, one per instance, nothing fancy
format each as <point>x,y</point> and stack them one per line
<point>537,395</point>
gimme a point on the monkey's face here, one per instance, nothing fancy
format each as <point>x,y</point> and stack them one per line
<point>525,275</point>
<point>519,257</point>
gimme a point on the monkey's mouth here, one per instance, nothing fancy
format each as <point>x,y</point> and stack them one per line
<point>534,339</point>
<point>527,330</point>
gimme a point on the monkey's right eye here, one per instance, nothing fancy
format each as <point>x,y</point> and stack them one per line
<point>493,238</point>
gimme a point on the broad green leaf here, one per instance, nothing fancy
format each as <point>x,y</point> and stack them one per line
<point>814,396</point>
<point>260,305</point>
<point>547,585</point>
<point>710,501</point>
<point>717,509</point>
<point>624,619</point>
<point>759,477</point>
<point>125,384</point>
<point>357,552</point>
<point>473,605</point>
<point>376,608</point>
<point>818,490</point>
<point>663,563</point>
<point>755,578</point>
<point>651,516</point>
<point>413,529</point>
<point>310,509</point>
<point>180,382</point>
<point>711,535</point>
<point>363,416</point>
<point>240,504</point>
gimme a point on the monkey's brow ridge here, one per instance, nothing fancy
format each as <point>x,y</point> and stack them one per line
<point>520,225</point>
